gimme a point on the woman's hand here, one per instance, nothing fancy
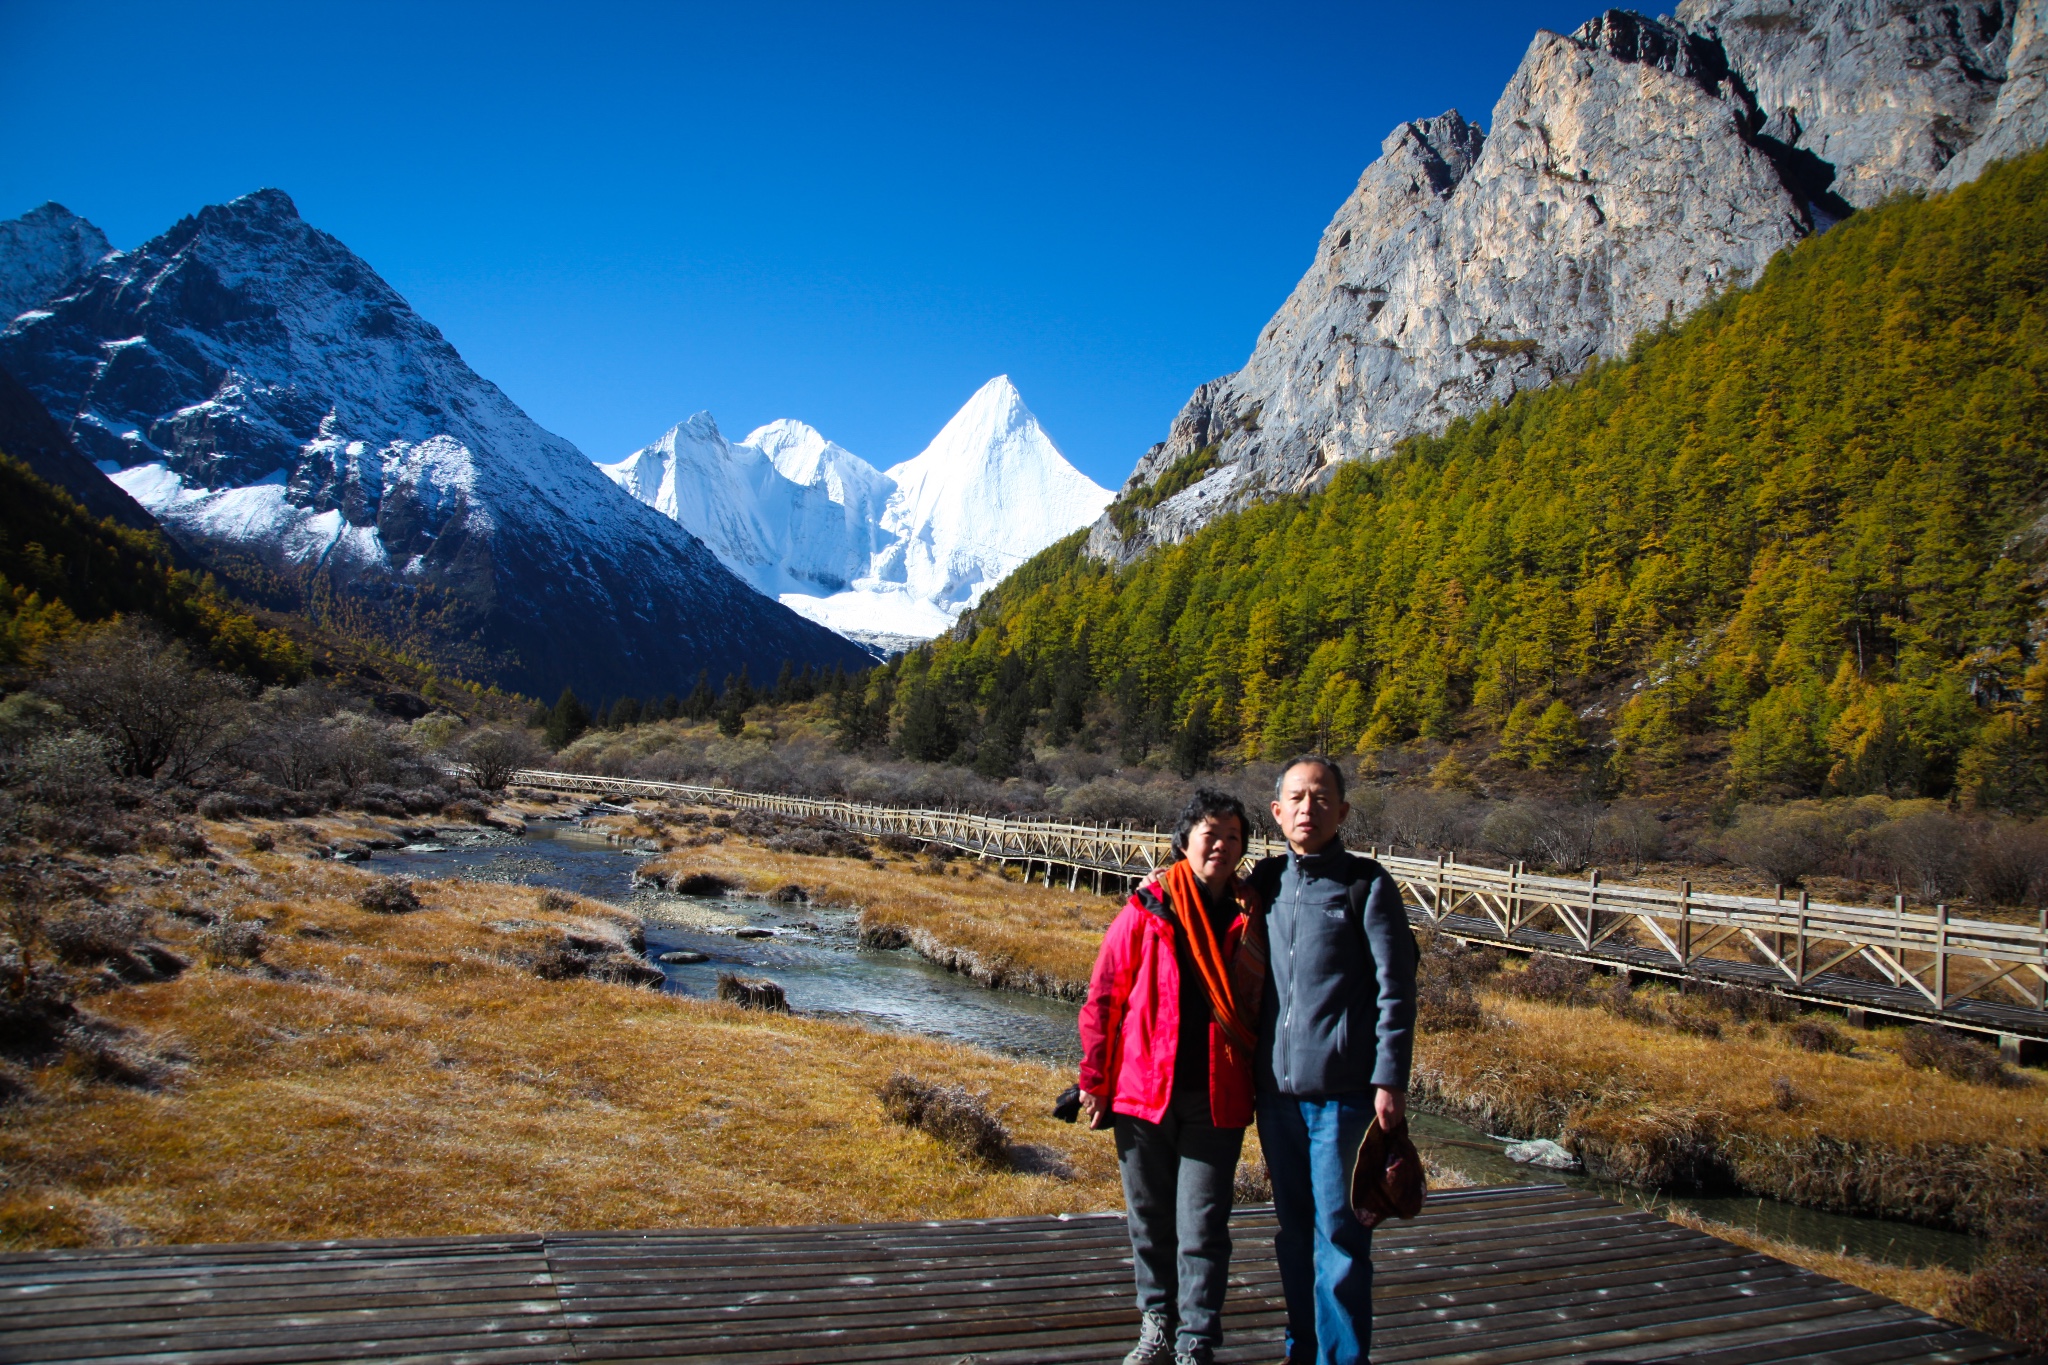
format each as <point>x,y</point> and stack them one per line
<point>1094,1107</point>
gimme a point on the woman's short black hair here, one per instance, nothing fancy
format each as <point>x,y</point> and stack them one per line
<point>1207,804</point>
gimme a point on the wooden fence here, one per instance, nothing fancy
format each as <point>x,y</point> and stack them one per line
<point>1985,975</point>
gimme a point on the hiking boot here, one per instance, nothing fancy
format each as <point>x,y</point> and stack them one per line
<point>1153,1337</point>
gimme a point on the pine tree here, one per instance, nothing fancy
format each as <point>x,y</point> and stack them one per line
<point>566,720</point>
<point>701,699</point>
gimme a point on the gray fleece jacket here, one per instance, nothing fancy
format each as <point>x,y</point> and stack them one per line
<point>1339,1012</point>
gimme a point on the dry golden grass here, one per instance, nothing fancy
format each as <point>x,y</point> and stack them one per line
<point>1576,1059</point>
<point>970,917</point>
<point>1649,1105</point>
<point>405,1078</point>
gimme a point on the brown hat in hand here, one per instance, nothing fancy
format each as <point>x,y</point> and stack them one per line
<point>1386,1176</point>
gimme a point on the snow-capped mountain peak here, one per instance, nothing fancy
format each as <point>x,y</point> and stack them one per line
<point>889,558</point>
<point>990,491</point>
<point>258,387</point>
<point>42,254</point>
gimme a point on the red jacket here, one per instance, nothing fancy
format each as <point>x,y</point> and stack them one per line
<point>1130,1024</point>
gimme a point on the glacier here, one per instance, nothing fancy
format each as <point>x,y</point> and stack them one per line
<point>887,557</point>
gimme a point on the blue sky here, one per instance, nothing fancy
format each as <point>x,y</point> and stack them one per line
<point>853,215</point>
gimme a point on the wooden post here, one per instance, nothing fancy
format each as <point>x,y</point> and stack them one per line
<point>1941,956</point>
<point>1514,895</point>
<point>1436,909</point>
<point>1799,962</point>
<point>1685,923</point>
<point>1592,915</point>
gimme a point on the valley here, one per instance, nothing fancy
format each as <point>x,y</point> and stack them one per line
<point>1646,482</point>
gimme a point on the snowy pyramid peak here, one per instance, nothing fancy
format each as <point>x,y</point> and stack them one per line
<point>990,491</point>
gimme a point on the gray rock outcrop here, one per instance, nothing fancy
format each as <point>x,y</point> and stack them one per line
<point>1635,167</point>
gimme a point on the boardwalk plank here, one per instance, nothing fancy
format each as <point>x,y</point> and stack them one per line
<point>1530,1273</point>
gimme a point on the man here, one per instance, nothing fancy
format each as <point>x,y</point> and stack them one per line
<point>1336,1030</point>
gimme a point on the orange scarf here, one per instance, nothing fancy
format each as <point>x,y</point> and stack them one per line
<point>1235,986</point>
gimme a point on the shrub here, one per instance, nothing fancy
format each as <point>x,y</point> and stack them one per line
<point>1784,843</point>
<point>1785,1096</point>
<point>1622,1001</point>
<point>574,956</point>
<point>1925,850</point>
<point>179,840</point>
<point>35,1007</point>
<point>1958,1058</point>
<point>492,755</point>
<point>1817,1035</point>
<point>1447,1007</point>
<point>752,993</point>
<point>957,1117</point>
<point>83,932</point>
<point>1509,830</point>
<point>1422,817</point>
<point>557,901</point>
<point>1252,1183</point>
<point>63,769</point>
<point>2007,1295</point>
<point>2007,864</point>
<point>262,841</point>
<point>1567,836</point>
<point>391,896</point>
<point>1744,1002</point>
<point>230,942</point>
<point>138,691</point>
<point>1631,834</point>
<point>1554,980</point>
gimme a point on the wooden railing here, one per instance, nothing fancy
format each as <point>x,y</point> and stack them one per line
<point>1974,973</point>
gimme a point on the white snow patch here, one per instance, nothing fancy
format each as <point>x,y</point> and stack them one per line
<point>258,513</point>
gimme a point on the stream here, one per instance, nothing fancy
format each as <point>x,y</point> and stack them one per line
<point>813,953</point>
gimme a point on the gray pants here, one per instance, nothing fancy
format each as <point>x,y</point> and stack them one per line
<point>1177,1188</point>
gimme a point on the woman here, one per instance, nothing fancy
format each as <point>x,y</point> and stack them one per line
<point>1166,1046</point>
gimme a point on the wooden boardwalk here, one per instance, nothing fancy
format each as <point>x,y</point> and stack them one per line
<point>1983,975</point>
<point>1526,1273</point>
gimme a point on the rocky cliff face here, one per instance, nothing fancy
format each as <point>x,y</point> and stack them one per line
<point>275,404</point>
<point>1634,168</point>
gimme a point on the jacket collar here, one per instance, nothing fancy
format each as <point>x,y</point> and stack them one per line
<point>1323,860</point>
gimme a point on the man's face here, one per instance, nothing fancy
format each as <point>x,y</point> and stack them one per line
<point>1309,809</point>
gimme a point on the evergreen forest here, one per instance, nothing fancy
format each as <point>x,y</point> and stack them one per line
<point>1797,539</point>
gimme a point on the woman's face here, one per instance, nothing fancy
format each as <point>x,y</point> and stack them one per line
<point>1214,848</point>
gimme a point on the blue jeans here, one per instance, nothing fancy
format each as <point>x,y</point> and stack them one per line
<point>1325,1253</point>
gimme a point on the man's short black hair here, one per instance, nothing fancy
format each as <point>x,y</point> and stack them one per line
<point>1323,761</point>
<point>1207,804</point>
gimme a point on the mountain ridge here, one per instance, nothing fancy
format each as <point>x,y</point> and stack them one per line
<point>1633,169</point>
<point>274,402</point>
